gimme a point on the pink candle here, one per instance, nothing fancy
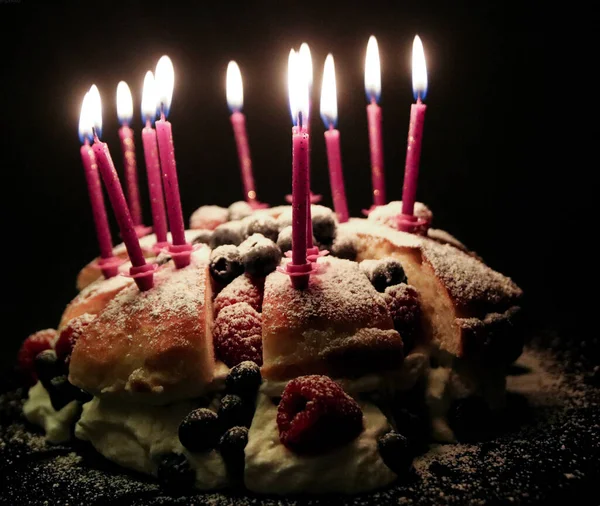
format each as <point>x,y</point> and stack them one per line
<point>415,136</point>
<point>180,249</point>
<point>238,121</point>
<point>332,139</point>
<point>336,177</point>
<point>108,262</point>
<point>155,190</point>
<point>373,91</point>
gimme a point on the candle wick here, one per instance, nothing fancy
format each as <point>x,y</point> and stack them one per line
<point>373,101</point>
<point>300,120</point>
<point>95,134</point>
<point>148,123</point>
<point>331,126</point>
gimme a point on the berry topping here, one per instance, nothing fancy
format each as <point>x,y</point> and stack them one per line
<point>324,224</point>
<point>260,255</point>
<point>202,237</point>
<point>384,273</point>
<point>284,239</point>
<point>232,446</point>
<point>227,233</point>
<point>395,452</point>
<point>47,366</point>
<point>237,334</point>
<point>243,379</point>
<point>404,307</point>
<point>239,210</point>
<point>174,472</point>
<point>225,263</point>
<point>200,430</point>
<point>344,247</point>
<point>315,415</point>
<point>261,223</point>
<point>31,347</point>
<point>209,217</point>
<point>61,392</point>
<point>234,411</point>
<point>470,419</point>
<point>70,334</point>
<point>241,289</point>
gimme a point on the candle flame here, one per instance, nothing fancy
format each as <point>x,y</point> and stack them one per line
<point>164,76</point>
<point>234,88</point>
<point>372,71</point>
<point>419,70</point>
<point>149,102</point>
<point>85,124</point>
<point>124,103</point>
<point>297,88</point>
<point>95,110</point>
<point>328,94</point>
<point>306,63</point>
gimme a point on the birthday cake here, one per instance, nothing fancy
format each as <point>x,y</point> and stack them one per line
<point>224,374</point>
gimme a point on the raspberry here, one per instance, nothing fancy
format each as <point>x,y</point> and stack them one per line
<point>237,334</point>
<point>241,289</point>
<point>31,348</point>
<point>404,307</point>
<point>70,334</point>
<point>316,415</point>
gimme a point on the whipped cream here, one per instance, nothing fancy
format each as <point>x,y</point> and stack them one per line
<point>39,411</point>
<point>352,468</point>
<point>134,435</point>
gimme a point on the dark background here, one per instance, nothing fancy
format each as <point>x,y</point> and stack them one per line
<point>489,168</point>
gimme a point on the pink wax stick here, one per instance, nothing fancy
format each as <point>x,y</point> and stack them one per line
<point>299,203</point>
<point>131,178</point>
<point>413,156</point>
<point>140,270</point>
<point>376,148</point>
<point>96,200</point>
<point>336,177</point>
<point>180,249</point>
<point>238,121</point>
<point>157,203</point>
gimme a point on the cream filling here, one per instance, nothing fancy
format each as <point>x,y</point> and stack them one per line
<point>134,435</point>
<point>350,469</point>
<point>39,411</point>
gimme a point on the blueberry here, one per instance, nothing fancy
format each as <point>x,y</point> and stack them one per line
<point>260,255</point>
<point>387,272</point>
<point>203,237</point>
<point>344,247</point>
<point>413,427</point>
<point>61,392</point>
<point>234,411</point>
<point>82,396</point>
<point>395,452</point>
<point>232,446</point>
<point>324,224</point>
<point>200,430</point>
<point>470,419</point>
<point>227,233</point>
<point>262,224</point>
<point>239,210</point>
<point>244,379</point>
<point>47,366</point>
<point>174,472</point>
<point>284,239</point>
<point>225,263</point>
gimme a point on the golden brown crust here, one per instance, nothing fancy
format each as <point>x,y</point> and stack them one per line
<point>339,315</point>
<point>154,345</point>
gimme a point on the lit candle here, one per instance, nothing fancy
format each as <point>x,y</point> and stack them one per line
<point>180,250</point>
<point>125,113</point>
<point>155,190</point>
<point>407,221</point>
<point>299,268</point>
<point>235,100</point>
<point>373,90</point>
<point>332,140</point>
<point>306,72</point>
<point>141,271</point>
<point>108,262</point>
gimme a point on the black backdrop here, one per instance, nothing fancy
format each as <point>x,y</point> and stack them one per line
<point>488,169</point>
